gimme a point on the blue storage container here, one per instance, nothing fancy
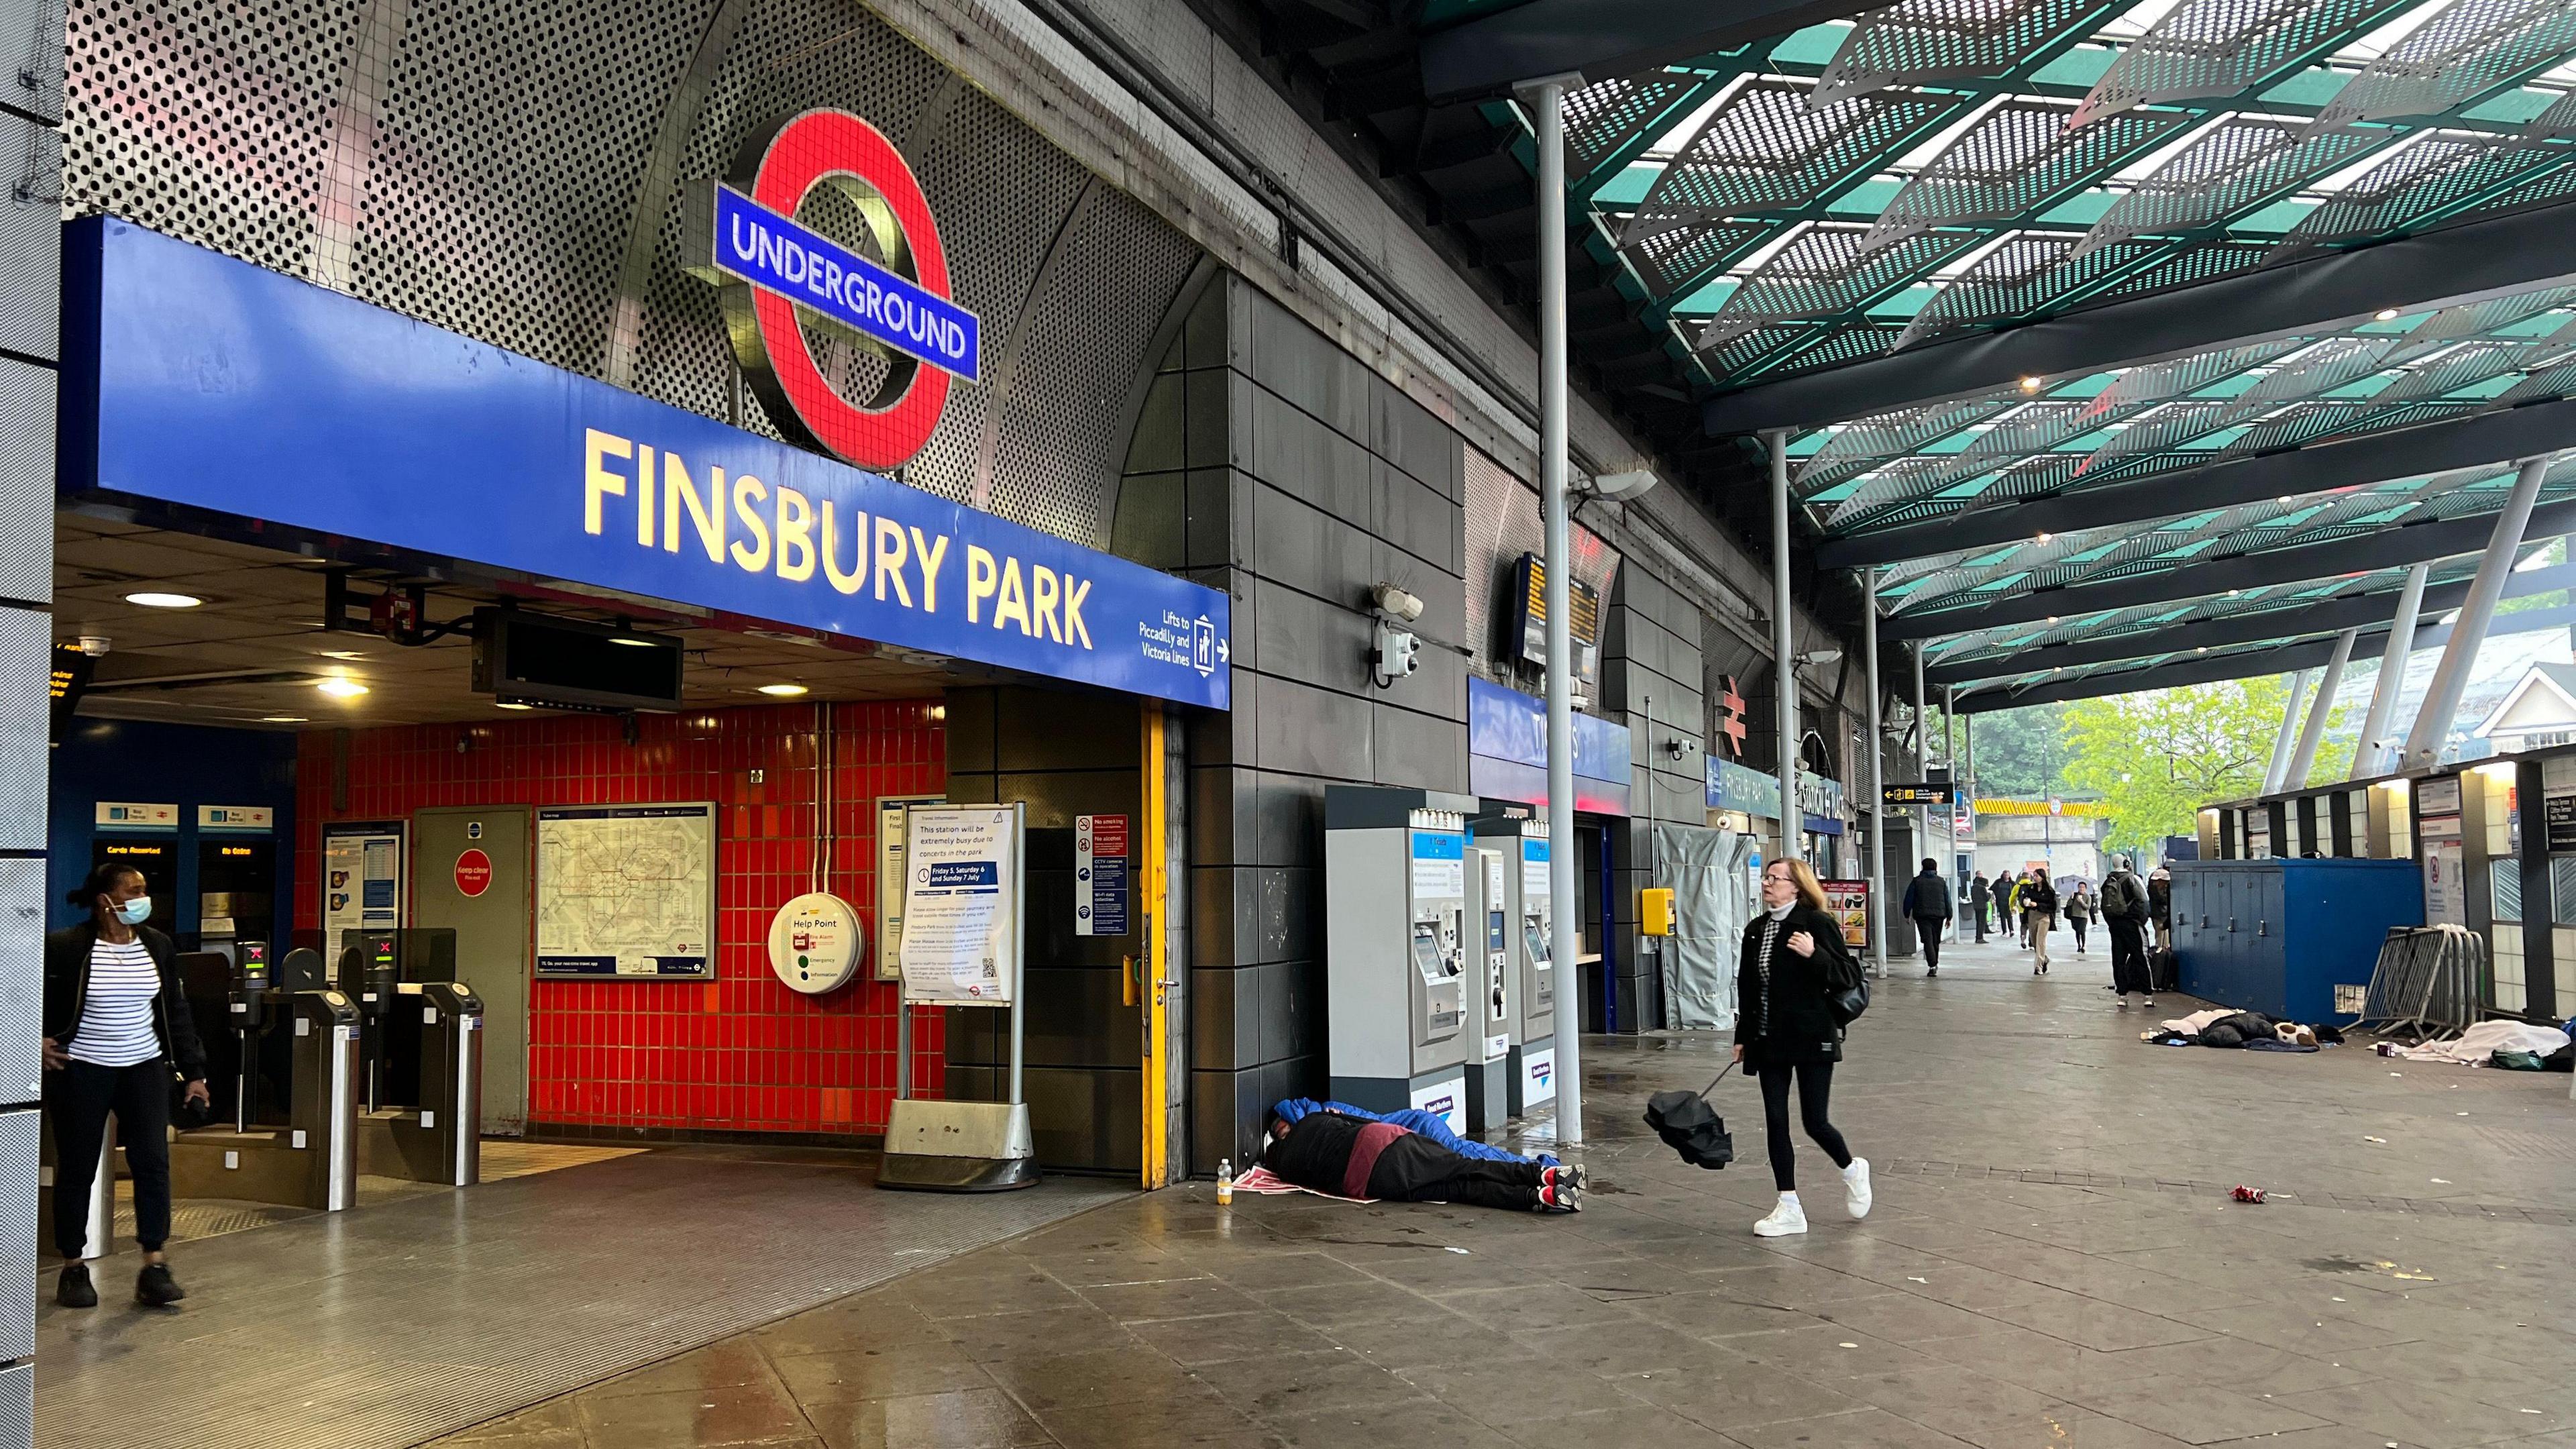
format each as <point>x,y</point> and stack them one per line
<point>2277,936</point>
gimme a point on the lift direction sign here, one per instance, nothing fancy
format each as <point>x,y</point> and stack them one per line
<point>1102,888</point>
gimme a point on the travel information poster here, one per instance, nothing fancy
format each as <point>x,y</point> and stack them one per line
<point>961,916</point>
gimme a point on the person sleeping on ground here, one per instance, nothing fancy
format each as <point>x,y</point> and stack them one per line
<point>1347,1157</point>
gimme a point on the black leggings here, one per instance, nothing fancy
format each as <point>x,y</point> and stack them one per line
<point>2079,933</point>
<point>81,1096</point>
<point>1416,1169</point>
<point>1815,1086</point>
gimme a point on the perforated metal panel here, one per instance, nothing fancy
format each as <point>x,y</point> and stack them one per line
<point>205,119</point>
<point>2229,169</point>
<point>1765,147</point>
<point>1673,252</point>
<point>18,1188</point>
<point>1825,272</point>
<point>27,399</point>
<point>26,719</point>
<point>1916,40</point>
<point>2209,48</point>
<point>1611,116</point>
<point>30,238</point>
<point>1855,447</point>
<point>2467,48</point>
<point>2026,274</point>
<point>22,980</point>
<point>2016,159</point>
<point>1105,291</point>
<point>2437,175</point>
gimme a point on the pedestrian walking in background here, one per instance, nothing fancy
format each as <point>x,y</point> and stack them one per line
<point>1981,894</point>
<point>2039,913</point>
<point>2079,912</point>
<point>1927,901</point>
<point>1794,959</point>
<point>2160,904</point>
<point>2124,911</point>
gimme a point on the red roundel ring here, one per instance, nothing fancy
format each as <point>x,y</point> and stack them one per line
<point>801,154</point>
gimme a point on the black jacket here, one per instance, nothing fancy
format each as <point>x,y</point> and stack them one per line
<point>1927,897</point>
<point>1800,1026</point>
<point>1316,1151</point>
<point>67,988</point>
<point>2039,895</point>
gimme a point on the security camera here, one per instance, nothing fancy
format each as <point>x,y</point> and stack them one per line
<point>93,645</point>
<point>1680,747</point>
<point>1395,603</point>
<point>1816,657</point>
<point>1393,651</point>
<point>1617,485</point>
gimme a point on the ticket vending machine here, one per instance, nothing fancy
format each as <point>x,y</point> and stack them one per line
<point>1401,1025</point>
<point>1530,993</point>
<point>1489,924</point>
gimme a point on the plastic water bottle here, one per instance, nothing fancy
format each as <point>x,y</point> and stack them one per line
<point>1225,1182</point>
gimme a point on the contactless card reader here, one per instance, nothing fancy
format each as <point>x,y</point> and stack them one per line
<point>1404,996</point>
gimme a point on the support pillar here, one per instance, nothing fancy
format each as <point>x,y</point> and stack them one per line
<point>2370,754</point>
<point>2288,736</point>
<point>2451,676</point>
<point>1922,760</point>
<point>1547,98</point>
<point>1784,647</point>
<point>2304,758</point>
<point>1877,775</point>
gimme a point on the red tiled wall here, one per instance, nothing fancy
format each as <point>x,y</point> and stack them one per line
<point>741,1053</point>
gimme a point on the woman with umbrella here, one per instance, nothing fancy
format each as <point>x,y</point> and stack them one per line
<point>1785,1027</point>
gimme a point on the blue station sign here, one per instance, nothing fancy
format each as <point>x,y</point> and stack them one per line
<point>201,380</point>
<point>751,243</point>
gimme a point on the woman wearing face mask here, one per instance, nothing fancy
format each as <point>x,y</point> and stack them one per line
<point>115,1021</point>
<point>1785,1027</point>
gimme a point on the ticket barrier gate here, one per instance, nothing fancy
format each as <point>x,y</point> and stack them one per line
<point>306,1154</point>
<point>421,1060</point>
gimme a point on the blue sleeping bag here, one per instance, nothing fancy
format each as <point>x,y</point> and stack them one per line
<point>1414,1120</point>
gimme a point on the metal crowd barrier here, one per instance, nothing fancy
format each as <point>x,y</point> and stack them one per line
<point>2429,980</point>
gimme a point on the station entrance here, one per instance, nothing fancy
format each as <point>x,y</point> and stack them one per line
<point>331,797</point>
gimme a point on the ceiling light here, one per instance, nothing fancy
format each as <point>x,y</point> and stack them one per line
<point>2052,618</point>
<point>339,688</point>
<point>2043,538</point>
<point>151,600</point>
<point>350,654</point>
<point>783,691</point>
<point>631,643</point>
<point>2232,593</point>
<point>510,704</point>
<point>2387,314</point>
<point>2030,384</point>
<point>282,719</point>
<point>2284,500</point>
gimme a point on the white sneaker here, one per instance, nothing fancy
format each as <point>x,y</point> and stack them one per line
<point>1786,1217</point>
<point>1856,1187</point>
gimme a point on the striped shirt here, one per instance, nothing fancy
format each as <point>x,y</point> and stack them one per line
<point>116,1027</point>
<point>1762,963</point>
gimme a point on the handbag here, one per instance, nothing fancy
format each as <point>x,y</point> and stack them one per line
<point>1846,990</point>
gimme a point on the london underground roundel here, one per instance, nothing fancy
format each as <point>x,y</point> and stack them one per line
<point>779,277</point>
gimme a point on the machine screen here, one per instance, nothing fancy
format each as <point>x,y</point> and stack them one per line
<point>1426,949</point>
<point>1536,943</point>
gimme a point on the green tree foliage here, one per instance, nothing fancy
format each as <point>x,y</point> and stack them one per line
<point>2021,753</point>
<point>2157,757</point>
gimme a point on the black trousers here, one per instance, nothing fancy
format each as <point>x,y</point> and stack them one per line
<point>80,1097</point>
<point>1980,912</point>
<point>1417,1169</point>
<point>1815,1087</point>
<point>1928,928</point>
<point>2129,957</point>
<point>2079,933</point>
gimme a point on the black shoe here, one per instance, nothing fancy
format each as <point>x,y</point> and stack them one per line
<point>1931,973</point>
<point>73,1290</point>
<point>155,1288</point>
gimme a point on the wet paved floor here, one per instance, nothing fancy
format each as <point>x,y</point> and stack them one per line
<point>2053,1264</point>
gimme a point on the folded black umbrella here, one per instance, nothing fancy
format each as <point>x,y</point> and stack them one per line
<point>1691,1127</point>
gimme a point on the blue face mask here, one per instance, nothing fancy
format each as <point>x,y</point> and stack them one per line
<point>136,911</point>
